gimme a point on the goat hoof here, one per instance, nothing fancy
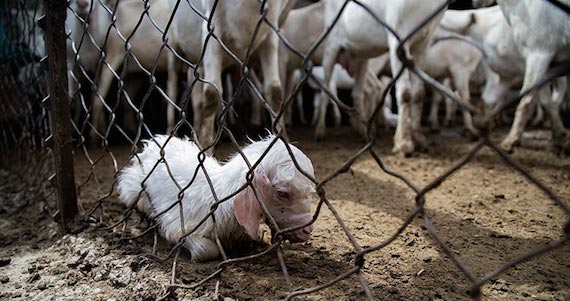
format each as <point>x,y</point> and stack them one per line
<point>507,146</point>
<point>405,149</point>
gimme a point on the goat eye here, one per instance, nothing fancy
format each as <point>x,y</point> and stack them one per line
<point>283,194</point>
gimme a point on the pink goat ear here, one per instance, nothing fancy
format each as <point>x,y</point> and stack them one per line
<point>247,210</point>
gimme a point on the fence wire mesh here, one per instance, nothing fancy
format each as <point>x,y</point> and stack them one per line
<point>119,55</point>
<point>25,163</point>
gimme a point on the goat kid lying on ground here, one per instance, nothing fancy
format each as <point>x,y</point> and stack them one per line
<point>280,186</point>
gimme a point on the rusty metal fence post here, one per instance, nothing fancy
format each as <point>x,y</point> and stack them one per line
<point>60,111</point>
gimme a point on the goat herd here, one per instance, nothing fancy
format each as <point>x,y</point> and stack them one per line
<point>492,49</point>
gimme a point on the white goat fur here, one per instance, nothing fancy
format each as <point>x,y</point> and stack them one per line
<point>489,28</point>
<point>302,28</point>
<point>542,33</point>
<point>189,32</point>
<point>359,36</point>
<point>145,45</point>
<point>181,157</point>
<point>456,60</point>
<point>84,44</point>
<point>372,87</point>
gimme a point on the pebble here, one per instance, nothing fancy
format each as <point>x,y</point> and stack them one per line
<point>42,286</point>
<point>5,261</point>
<point>98,277</point>
<point>4,279</point>
<point>122,277</point>
<point>34,277</point>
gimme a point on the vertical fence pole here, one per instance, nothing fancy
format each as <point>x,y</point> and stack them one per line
<point>60,115</point>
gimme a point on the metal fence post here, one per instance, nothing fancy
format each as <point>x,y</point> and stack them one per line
<point>60,114</point>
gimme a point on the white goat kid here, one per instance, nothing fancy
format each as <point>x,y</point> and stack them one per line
<point>279,185</point>
<point>228,16</point>
<point>542,33</point>
<point>358,35</point>
<point>456,60</point>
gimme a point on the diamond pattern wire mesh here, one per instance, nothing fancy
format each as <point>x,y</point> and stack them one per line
<point>24,120</point>
<point>84,73</point>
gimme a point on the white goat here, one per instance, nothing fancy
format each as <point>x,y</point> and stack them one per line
<point>278,184</point>
<point>342,80</point>
<point>190,31</point>
<point>86,24</point>
<point>489,28</point>
<point>358,36</point>
<point>365,95</point>
<point>456,60</point>
<point>302,28</point>
<point>144,50</point>
<point>542,33</point>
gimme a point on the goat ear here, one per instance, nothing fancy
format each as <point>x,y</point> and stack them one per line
<point>247,210</point>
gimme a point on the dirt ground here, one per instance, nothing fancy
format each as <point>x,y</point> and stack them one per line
<point>487,214</point>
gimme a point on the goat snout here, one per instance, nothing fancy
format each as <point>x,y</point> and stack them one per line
<point>301,235</point>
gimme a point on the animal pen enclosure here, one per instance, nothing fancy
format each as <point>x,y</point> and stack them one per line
<point>464,220</point>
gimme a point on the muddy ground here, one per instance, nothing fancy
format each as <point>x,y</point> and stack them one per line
<point>487,214</point>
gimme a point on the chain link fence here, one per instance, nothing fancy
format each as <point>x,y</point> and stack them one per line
<point>25,163</point>
<point>121,93</point>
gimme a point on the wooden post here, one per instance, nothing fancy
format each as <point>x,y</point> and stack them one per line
<point>60,115</point>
